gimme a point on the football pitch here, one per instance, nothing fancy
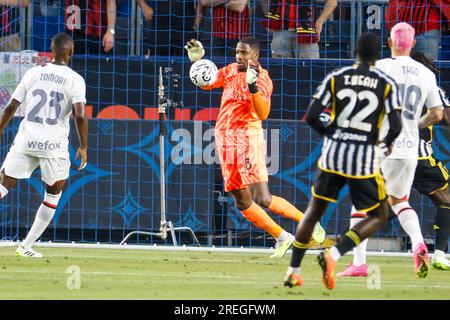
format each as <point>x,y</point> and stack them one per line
<point>149,274</point>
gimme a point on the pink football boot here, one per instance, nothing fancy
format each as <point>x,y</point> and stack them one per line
<point>421,262</point>
<point>354,271</point>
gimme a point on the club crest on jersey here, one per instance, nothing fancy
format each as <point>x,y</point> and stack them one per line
<point>234,95</point>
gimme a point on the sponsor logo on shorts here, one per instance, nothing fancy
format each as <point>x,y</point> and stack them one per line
<point>47,145</point>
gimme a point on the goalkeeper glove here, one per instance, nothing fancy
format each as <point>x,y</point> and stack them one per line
<point>195,50</point>
<point>252,76</point>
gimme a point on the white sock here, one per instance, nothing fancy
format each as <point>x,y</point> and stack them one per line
<point>335,254</point>
<point>439,254</point>
<point>410,222</point>
<point>359,252</point>
<point>295,271</point>
<point>3,191</point>
<point>284,236</point>
<point>43,217</point>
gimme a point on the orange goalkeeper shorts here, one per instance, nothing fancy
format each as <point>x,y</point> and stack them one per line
<point>242,155</point>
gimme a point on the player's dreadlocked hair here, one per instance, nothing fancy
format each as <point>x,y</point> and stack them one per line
<point>420,57</point>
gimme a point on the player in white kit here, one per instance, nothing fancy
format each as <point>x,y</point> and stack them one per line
<point>50,93</point>
<point>418,88</point>
<point>431,179</point>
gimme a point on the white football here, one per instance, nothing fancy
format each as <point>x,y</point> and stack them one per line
<point>203,72</point>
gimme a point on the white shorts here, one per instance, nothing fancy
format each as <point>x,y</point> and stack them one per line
<point>399,176</point>
<point>21,166</point>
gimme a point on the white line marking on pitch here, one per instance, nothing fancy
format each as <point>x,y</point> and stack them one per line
<point>350,283</point>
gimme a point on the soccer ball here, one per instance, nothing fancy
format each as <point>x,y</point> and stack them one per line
<point>203,73</point>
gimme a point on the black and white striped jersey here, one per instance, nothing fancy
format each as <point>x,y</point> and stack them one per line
<point>359,97</point>
<point>426,134</point>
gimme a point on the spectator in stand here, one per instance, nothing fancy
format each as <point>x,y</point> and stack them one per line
<point>147,10</point>
<point>296,31</point>
<point>124,8</point>
<point>230,23</point>
<point>91,23</point>
<point>170,27</point>
<point>10,24</point>
<point>427,18</point>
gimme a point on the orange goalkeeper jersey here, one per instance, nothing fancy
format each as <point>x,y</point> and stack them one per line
<point>236,107</point>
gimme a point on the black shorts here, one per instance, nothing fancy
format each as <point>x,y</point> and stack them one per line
<point>366,193</point>
<point>431,176</point>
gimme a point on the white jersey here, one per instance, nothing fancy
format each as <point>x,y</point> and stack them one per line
<point>49,93</point>
<point>418,88</point>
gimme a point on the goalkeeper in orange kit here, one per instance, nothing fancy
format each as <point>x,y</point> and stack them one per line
<point>240,143</point>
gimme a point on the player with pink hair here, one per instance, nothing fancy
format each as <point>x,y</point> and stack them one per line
<point>418,89</point>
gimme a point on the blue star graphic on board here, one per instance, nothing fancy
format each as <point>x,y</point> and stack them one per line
<point>76,178</point>
<point>90,224</point>
<point>291,175</point>
<point>189,219</point>
<point>105,127</point>
<point>285,132</point>
<point>148,150</point>
<point>128,209</point>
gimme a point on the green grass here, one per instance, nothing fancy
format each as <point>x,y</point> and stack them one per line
<point>139,274</point>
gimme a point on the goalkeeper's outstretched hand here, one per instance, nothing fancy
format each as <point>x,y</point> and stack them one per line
<point>252,72</point>
<point>252,76</point>
<point>195,50</point>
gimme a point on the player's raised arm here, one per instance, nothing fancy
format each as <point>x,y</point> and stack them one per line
<point>195,53</point>
<point>82,130</point>
<point>195,50</point>
<point>261,103</point>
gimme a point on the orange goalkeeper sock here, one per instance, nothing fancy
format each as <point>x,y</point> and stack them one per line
<point>284,208</point>
<point>258,217</point>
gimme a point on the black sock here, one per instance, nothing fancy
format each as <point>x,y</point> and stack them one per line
<point>350,240</point>
<point>298,252</point>
<point>442,227</point>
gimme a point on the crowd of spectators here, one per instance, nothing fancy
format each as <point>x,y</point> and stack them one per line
<point>428,17</point>
<point>290,28</point>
